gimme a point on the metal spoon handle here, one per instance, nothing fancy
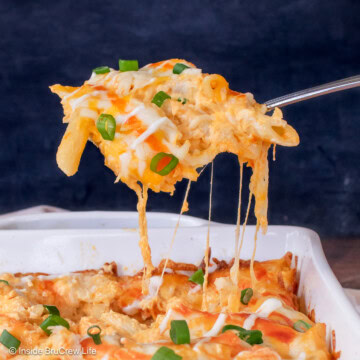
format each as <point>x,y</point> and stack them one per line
<point>306,94</point>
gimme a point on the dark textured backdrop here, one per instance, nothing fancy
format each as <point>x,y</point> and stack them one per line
<point>266,47</point>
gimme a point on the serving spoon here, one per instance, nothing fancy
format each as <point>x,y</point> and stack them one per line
<point>312,92</point>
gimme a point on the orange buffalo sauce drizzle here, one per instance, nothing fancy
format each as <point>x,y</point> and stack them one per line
<point>207,248</point>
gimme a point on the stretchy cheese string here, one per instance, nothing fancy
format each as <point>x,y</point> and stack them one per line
<point>234,298</point>
<point>252,272</point>
<point>274,152</point>
<point>204,300</point>
<point>183,208</point>
<point>144,239</point>
<point>234,273</point>
<point>244,225</point>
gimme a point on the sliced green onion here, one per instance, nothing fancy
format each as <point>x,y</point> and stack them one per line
<point>179,68</point>
<point>246,295</point>
<point>9,341</point>
<point>252,337</point>
<point>179,332</point>
<point>101,70</point>
<point>164,353</point>
<point>301,326</point>
<point>182,100</point>
<point>231,327</point>
<point>167,168</point>
<point>5,282</point>
<point>53,310</point>
<point>160,97</point>
<point>128,65</point>
<point>106,125</point>
<point>53,320</point>
<point>197,277</point>
<point>95,335</point>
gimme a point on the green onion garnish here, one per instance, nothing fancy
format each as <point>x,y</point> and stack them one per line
<point>182,100</point>
<point>9,341</point>
<point>53,310</point>
<point>179,332</point>
<point>95,334</point>
<point>301,326</point>
<point>106,125</point>
<point>101,70</point>
<point>164,353</point>
<point>197,277</point>
<point>128,65</point>
<point>246,295</point>
<point>252,337</point>
<point>165,170</point>
<point>179,68</point>
<point>159,98</point>
<point>53,320</point>
<point>231,327</point>
<point>5,282</point>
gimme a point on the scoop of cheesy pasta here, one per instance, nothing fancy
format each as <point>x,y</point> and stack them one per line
<point>171,110</point>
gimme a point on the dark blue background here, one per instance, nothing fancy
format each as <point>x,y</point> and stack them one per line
<point>266,47</point>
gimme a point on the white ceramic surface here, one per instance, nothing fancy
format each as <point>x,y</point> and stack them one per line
<point>63,242</point>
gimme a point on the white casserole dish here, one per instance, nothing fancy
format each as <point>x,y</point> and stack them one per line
<point>58,243</point>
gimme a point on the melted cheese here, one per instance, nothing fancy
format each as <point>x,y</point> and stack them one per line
<point>182,210</point>
<point>131,329</point>
<point>207,247</point>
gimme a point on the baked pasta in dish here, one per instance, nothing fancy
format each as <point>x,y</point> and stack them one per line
<point>99,315</point>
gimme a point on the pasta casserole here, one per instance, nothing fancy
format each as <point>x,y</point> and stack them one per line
<point>156,126</point>
<point>99,315</point>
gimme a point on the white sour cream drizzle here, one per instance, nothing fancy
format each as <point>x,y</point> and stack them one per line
<point>132,308</point>
<point>165,321</point>
<point>200,342</point>
<point>266,308</point>
<point>104,99</point>
<point>196,289</point>
<point>71,94</point>
<point>76,102</point>
<point>250,321</point>
<point>87,113</point>
<point>125,159</point>
<point>149,131</point>
<point>219,323</point>
<point>120,119</point>
<point>155,282</point>
<point>192,71</point>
